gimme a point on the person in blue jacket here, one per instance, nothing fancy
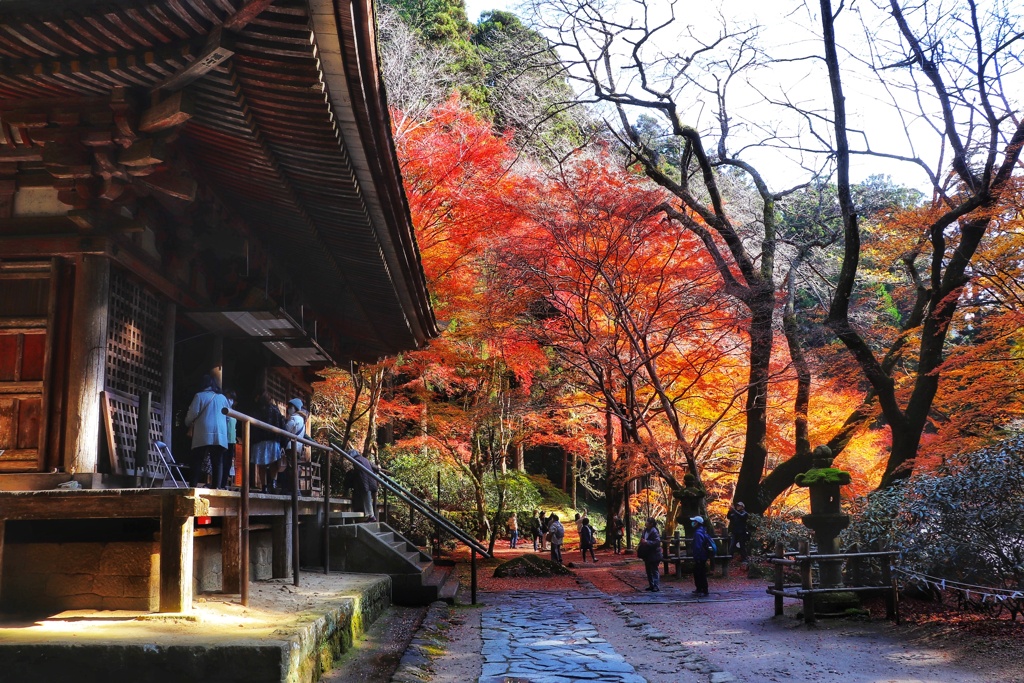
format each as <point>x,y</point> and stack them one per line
<point>703,550</point>
<point>209,427</point>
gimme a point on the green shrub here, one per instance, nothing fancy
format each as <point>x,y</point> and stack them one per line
<point>767,531</point>
<point>963,522</point>
<point>551,495</point>
<point>521,495</point>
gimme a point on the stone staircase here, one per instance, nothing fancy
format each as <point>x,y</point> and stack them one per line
<point>376,548</point>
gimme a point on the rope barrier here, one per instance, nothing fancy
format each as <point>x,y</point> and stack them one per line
<point>939,583</point>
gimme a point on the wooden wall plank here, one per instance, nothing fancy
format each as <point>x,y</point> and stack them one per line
<point>28,423</point>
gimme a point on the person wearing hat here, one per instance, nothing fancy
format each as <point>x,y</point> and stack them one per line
<point>295,422</point>
<point>703,550</point>
<point>649,550</point>
<point>738,531</point>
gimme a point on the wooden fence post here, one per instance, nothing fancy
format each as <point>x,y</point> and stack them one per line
<point>805,581</point>
<point>780,553</point>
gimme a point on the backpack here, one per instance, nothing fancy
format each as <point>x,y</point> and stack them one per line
<point>586,536</point>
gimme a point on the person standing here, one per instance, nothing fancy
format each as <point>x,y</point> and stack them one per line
<point>365,488</point>
<point>545,526</point>
<point>703,549</point>
<point>266,453</point>
<point>535,532</point>
<point>556,535</point>
<point>618,532</point>
<point>587,540</point>
<point>513,531</point>
<point>295,423</point>
<point>738,531</point>
<point>209,427</point>
<point>649,550</point>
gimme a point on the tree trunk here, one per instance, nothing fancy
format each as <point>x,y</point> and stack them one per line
<point>755,451</point>
<point>572,481</point>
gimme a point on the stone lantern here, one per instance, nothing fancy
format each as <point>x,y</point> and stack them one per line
<point>827,518</point>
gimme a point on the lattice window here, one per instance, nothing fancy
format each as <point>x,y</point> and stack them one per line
<point>282,390</point>
<point>121,415</point>
<point>135,338</point>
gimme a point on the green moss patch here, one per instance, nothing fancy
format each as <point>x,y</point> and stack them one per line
<point>823,475</point>
<point>530,566</point>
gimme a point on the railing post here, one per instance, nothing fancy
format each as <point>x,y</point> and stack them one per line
<point>437,527</point>
<point>472,580</point>
<point>384,512</point>
<point>295,512</point>
<point>892,600</point>
<point>677,543</point>
<point>780,553</point>
<point>243,514</point>
<point>325,481</point>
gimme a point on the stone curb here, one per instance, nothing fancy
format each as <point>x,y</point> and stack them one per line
<point>692,659</point>
<point>427,644</point>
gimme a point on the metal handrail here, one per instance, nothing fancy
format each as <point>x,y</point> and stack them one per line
<point>417,503</point>
<point>390,484</point>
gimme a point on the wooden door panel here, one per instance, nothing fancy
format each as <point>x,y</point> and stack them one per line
<point>29,414</point>
<point>8,422</point>
<point>33,361</point>
<point>8,356</point>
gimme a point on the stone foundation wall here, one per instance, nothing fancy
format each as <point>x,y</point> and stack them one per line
<point>208,561</point>
<point>116,575</point>
<point>64,576</point>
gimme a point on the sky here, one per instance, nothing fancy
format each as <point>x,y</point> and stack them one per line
<point>790,29</point>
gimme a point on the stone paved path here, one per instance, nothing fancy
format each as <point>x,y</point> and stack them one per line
<point>545,639</point>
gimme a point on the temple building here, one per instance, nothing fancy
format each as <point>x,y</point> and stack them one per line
<point>186,186</point>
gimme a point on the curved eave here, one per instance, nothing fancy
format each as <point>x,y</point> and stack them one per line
<point>351,75</point>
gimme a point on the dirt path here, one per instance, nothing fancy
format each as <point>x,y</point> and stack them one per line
<point>731,636</point>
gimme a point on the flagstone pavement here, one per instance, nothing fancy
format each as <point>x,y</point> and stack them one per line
<point>544,639</point>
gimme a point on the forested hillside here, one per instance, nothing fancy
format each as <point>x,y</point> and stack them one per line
<point>628,297</point>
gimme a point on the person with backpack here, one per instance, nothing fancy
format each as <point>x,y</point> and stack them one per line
<point>587,539</point>
<point>703,550</point>
<point>513,531</point>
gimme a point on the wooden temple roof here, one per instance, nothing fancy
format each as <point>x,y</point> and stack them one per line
<point>287,125</point>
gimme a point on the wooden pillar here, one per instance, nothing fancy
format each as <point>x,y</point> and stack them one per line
<point>281,530</point>
<point>230,552</point>
<point>170,321</point>
<point>520,459</point>
<point>176,536</point>
<point>87,365</point>
<point>243,517</point>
